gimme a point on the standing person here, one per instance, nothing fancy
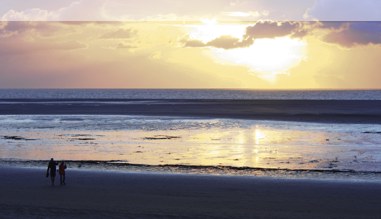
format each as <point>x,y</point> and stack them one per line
<point>61,171</point>
<point>52,168</point>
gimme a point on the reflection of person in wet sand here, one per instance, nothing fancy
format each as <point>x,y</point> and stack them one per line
<point>61,171</point>
<point>52,168</point>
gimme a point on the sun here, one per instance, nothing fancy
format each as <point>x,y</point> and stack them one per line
<point>266,58</point>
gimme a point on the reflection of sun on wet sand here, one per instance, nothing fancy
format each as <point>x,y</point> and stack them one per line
<point>194,142</point>
<point>26,193</point>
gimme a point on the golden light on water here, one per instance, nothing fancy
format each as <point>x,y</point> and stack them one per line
<point>258,135</point>
<point>255,146</point>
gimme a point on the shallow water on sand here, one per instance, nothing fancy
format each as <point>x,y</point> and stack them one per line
<point>192,142</point>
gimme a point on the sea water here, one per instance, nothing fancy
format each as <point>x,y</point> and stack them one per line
<point>190,94</point>
<point>191,143</point>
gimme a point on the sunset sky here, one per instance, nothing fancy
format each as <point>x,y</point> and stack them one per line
<point>242,44</point>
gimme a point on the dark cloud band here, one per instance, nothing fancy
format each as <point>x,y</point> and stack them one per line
<point>346,34</point>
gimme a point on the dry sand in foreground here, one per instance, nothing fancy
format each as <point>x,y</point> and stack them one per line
<point>26,193</point>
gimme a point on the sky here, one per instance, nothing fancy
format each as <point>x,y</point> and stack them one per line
<point>236,44</point>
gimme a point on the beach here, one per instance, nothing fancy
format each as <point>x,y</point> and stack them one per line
<point>191,158</point>
<point>26,192</point>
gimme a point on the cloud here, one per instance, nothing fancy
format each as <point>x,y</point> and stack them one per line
<point>19,37</point>
<point>194,43</point>
<point>119,34</point>
<point>12,28</point>
<point>122,10</point>
<point>263,29</point>
<point>356,33</point>
<point>125,46</point>
<point>331,25</point>
<point>279,10</point>
<point>111,10</point>
<point>346,34</point>
<point>225,42</point>
<point>269,29</point>
<point>244,15</point>
<point>18,47</point>
<point>345,10</point>
<point>34,14</point>
<point>67,45</point>
<point>80,10</point>
<point>244,10</point>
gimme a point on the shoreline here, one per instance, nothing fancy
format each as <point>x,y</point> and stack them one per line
<point>323,111</point>
<point>97,194</point>
<point>345,175</point>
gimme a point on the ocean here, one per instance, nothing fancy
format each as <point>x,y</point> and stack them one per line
<point>212,94</point>
<point>188,144</point>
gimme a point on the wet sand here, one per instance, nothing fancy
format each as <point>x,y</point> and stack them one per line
<point>26,193</point>
<point>340,111</point>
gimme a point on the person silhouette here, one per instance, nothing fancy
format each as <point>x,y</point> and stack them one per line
<point>61,171</point>
<point>52,168</point>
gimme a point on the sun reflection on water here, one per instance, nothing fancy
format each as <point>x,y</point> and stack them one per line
<point>259,135</point>
<point>245,144</point>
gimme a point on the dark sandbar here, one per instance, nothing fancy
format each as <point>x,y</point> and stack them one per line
<point>337,111</point>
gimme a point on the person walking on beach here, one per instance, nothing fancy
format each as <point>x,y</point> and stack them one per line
<point>52,168</point>
<point>61,171</point>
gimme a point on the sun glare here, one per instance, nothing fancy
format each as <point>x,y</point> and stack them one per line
<point>266,58</point>
<point>258,135</point>
<point>210,29</point>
